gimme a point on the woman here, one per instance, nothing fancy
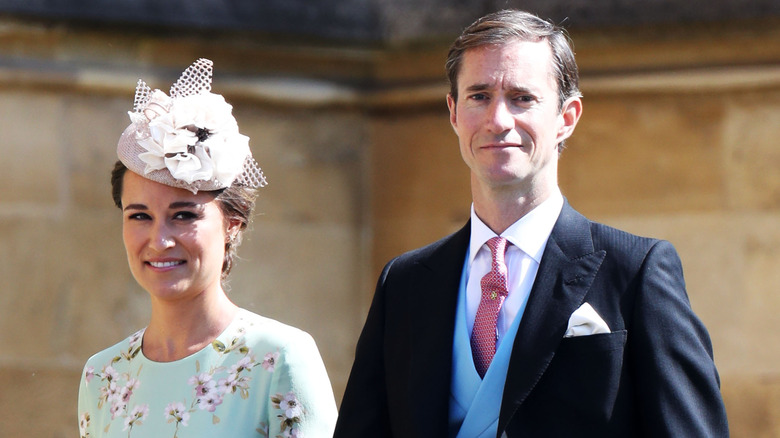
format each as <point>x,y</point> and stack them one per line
<point>203,367</point>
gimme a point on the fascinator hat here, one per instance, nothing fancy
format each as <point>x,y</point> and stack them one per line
<point>189,139</point>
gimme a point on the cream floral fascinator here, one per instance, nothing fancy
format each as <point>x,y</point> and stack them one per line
<point>189,139</point>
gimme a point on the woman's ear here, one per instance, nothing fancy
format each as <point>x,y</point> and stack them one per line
<point>233,228</point>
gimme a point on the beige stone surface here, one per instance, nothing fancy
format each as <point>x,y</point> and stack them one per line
<point>313,162</point>
<point>89,135</point>
<point>645,154</point>
<point>659,49</point>
<point>761,303</point>
<point>36,401</point>
<point>420,184</point>
<point>361,170</point>
<point>60,278</point>
<point>751,155</point>
<point>32,126</point>
<point>753,404</point>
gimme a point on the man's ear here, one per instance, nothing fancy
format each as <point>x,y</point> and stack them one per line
<point>570,115</point>
<point>452,104</point>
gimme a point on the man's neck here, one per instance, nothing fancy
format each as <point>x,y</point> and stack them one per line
<point>499,209</point>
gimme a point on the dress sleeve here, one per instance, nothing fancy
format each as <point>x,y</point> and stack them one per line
<point>301,397</point>
<point>678,388</point>
<point>85,404</point>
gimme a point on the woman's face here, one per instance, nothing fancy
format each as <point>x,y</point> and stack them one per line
<point>175,240</point>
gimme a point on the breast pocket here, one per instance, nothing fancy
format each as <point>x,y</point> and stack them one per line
<point>584,376</point>
<point>592,344</point>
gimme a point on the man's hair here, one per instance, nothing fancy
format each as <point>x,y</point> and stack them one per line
<point>503,27</point>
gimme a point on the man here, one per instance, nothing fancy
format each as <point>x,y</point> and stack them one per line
<point>531,321</point>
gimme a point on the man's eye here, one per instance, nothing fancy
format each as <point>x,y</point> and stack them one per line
<point>478,97</point>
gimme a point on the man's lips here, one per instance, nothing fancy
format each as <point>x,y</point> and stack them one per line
<point>501,146</point>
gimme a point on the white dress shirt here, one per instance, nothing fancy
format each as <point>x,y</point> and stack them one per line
<point>527,239</point>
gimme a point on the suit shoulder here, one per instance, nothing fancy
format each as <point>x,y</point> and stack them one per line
<point>424,252</point>
<point>447,243</point>
<point>623,244</point>
<point>448,251</point>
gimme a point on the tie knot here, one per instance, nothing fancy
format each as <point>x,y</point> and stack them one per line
<point>497,247</point>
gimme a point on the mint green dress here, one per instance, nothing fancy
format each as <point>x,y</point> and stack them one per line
<point>259,378</point>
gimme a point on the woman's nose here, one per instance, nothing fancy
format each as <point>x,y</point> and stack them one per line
<point>162,237</point>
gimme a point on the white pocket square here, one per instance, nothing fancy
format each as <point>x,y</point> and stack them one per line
<point>585,321</point>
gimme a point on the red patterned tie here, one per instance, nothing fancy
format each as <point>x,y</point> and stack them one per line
<point>494,291</point>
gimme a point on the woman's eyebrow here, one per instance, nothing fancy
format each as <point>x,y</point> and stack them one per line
<point>135,207</point>
<point>185,204</point>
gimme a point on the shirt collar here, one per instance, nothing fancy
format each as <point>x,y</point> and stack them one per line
<point>529,233</point>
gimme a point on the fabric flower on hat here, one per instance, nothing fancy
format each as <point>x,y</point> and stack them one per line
<point>195,137</point>
<point>189,138</point>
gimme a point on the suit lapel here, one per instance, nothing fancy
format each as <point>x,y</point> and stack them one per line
<point>433,324</point>
<point>568,267</point>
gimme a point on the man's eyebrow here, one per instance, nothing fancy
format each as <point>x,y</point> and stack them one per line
<point>519,89</point>
<point>477,87</point>
<point>483,87</point>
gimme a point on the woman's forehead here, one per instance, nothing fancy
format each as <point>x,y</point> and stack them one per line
<point>137,189</point>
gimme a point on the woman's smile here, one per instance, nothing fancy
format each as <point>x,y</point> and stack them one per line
<point>164,265</point>
<point>175,240</point>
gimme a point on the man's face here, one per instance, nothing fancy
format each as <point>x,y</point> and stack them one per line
<point>508,119</point>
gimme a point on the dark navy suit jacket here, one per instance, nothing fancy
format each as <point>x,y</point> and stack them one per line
<point>652,376</point>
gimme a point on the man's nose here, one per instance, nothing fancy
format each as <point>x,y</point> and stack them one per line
<point>500,118</point>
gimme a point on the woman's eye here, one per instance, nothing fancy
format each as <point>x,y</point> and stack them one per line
<point>185,215</point>
<point>138,216</point>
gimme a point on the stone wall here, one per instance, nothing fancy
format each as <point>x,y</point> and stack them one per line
<point>678,140</point>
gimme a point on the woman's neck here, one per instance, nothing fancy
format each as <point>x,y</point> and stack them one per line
<point>177,330</point>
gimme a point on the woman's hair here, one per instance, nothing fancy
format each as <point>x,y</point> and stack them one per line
<point>235,202</point>
<point>503,27</point>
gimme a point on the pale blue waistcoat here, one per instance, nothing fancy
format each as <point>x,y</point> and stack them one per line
<point>474,402</point>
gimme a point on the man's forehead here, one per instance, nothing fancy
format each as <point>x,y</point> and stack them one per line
<point>530,55</point>
<point>534,47</point>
